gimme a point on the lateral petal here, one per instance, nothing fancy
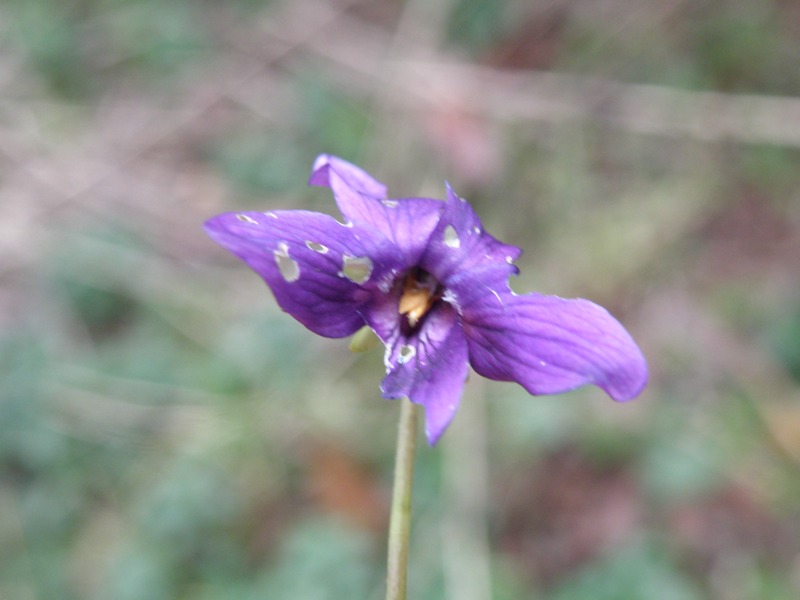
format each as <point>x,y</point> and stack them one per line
<point>320,271</point>
<point>459,248</point>
<point>551,345</point>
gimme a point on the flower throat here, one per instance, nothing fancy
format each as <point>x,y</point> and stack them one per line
<point>420,293</point>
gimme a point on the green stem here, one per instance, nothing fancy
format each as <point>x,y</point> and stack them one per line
<point>400,520</point>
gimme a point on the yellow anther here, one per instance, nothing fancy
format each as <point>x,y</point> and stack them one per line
<point>416,301</point>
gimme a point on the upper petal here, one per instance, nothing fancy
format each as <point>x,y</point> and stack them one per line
<point>460,249</point>
<point>550,345</point>
<point>355,177</point>
<point>320,271</point>
<point>408,222</point>
<point>429,368</point>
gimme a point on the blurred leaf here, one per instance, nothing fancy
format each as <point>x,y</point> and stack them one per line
<point>772,168</point>
<point>477,24</point>
<point>529,422</point>
<point>333,123</point>
<point>638,572</point>
<point>769,582</point>
<point>265,344</point>
<point>156,35</point>
<point>678,461</point>
<point>52,35</point>
<point>102,310</point>
<point>188,513</point>
<point>141,573</point>
<point>50,509</point>
<point>22,363</point>
<point>322,560</point>
<point>736,48</point>
<point>262,162</point>
<point>786,342</point>
<point>27,444</point>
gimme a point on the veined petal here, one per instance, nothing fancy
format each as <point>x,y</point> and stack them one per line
<point>459,248</point>
<point>429,368</point>
<point>320,271</point>
<point>551,345</point>
<point>408,222</point>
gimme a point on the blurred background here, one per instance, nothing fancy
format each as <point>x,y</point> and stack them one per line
<point>167,433</point>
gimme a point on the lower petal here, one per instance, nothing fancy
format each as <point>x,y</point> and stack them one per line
<point>551,345</point>
<point>429,368</point>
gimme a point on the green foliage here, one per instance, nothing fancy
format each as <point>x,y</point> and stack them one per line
<point>332,119</point>
<point>22,443</point>
<point>260,162</point>
<point>640,571</point>
<point>786,341</point>
<point>477,24</point>
<point>736,48</point>
<point>321,560</point>
<point>51,33</point>
<point>76,46</point>
<point>678,461</point>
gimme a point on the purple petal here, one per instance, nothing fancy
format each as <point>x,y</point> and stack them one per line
<point>429,368</point>
<point>407,222</point>
<point>460,249</point>
<point>320,271</point>
<point>355,177</point>
<point>550,345</point>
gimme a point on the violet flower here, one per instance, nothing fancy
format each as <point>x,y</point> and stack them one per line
<point>433,285</point>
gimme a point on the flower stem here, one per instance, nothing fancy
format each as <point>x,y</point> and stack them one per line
<point>400,520</point>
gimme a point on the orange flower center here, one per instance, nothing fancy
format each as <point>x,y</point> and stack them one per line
<point>420,293</point>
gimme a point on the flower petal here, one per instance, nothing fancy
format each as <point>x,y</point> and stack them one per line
<point>460,249</point>
<point>320,271</point>
<point>429,368</point>
<point>408,222</point>
<point>356,178</point>
<point>550,345</point>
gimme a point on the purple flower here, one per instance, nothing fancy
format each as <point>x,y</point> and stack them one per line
<point>433,285</point>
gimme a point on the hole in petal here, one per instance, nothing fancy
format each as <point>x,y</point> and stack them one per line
<point>356,269</point>
<point>317,247</point>
<point>287,266</point>
<point>406,354</point>
<point>271,214</point>
<point>451,238</point>
<point>390,203</point>
<point>246,219</point>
